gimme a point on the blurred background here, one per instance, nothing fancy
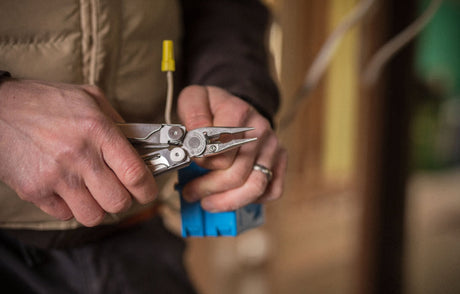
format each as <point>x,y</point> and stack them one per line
<point>372,197</point>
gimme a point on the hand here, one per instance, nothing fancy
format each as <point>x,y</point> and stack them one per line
<point>232,183</point>
<point>60,149</point>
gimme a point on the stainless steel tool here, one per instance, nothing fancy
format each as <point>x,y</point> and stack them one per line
<point>167,147</point>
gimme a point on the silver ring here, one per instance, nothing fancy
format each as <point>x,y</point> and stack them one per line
<point>268,173</point>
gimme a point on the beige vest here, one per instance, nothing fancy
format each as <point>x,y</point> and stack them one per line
<point>115,44</point>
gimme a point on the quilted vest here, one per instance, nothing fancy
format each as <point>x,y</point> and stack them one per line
<point>114,44</point>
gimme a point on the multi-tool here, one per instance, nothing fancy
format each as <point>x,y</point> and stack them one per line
<point>167,147</point>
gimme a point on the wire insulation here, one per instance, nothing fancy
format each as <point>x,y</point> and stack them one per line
<point>372,71</point>
<point>324,57</point>
<point>169,96</point>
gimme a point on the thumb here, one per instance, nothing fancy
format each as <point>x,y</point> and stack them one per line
<point>193,107</point>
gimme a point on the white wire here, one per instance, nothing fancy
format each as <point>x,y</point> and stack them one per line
<point>168,109</point>
<point>169,96</point>
<point>324,56</point>
<point>382,56</point>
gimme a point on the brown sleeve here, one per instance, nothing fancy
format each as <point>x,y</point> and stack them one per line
<point>225,45</point>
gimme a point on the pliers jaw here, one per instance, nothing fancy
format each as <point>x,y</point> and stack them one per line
<point>204,142</point>
<point>217,148</point>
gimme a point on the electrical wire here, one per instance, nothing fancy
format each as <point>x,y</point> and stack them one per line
<point>168,199</point>
<point>372,71</point>
<point>168,66</point>
<point>323,58</point>
<point>169,96</point>
<point>377,62</point>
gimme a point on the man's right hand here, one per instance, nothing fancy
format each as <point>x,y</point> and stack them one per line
<point>61,150</point>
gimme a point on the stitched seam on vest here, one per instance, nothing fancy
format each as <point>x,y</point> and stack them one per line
<point>48,40</point>
<point>95,45</point>
<point>84,39</point>
<point>116,64</point>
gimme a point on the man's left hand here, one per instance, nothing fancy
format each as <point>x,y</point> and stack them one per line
<point>232,182</point>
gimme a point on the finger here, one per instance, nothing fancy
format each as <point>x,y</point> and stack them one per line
<point>129,168</point>
<point>218,181</point>
<point>105,187</point>
<point>218,162</point>
<point>237,174</point>
<point>253,187</point>
<point>82,204</point>
<point>193,107</point>
<point>222,104</point>
<point>276,187</point>
<point>55,206</point>
<point>233,199</point>
<point>195,112</point>
<point>254,190</point>
<point>234,176</point>
<point>228,110</point>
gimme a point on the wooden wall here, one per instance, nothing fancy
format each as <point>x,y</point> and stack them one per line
<point>313,238</point>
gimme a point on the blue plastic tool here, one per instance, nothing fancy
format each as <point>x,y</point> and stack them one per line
<point>196,222</point>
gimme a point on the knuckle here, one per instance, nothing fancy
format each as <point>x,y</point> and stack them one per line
<point>69,152</point>
<point>74,181</point>
<point>220,162</point>
<point>32,191</point>
<point>93,90</point>
<point>240,110</point>
<point>230,207</point>
<point>51,173</point>
<point>94,123</point>
<point>227,206</point>
<point>274,144</point>
<point>56,207</point>
<point>67,156</point>
<point>191,90</point>
<point>197,119</point>
<point>147,199</point>
<point>97,129</point>
<point>264,125</point>
<point>92,219</point>
<point>234,180</point>
<point>258,187</point>
<point>119,205</point>
<point>28,191</point>
<point>63,215</point>
<point>148,194</point>
<point>277,193</point>
<point>284,158</point>
<point>77,147</point>
<point>135,174</point>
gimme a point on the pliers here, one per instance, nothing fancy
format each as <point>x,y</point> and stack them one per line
<point>167,147</point>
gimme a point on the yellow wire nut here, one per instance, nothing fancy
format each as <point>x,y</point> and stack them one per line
<point>168,63</point>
